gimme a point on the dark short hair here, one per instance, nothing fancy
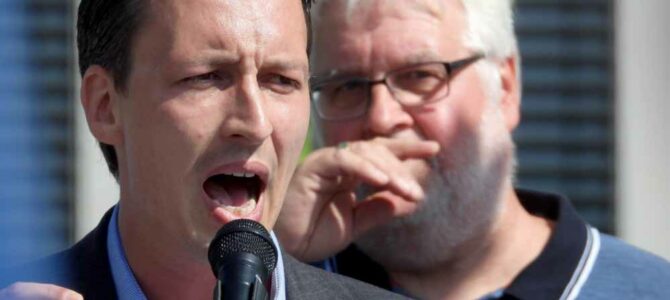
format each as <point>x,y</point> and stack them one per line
<point>105,33</point>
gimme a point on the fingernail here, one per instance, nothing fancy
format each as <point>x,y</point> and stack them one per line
<point>419,194</point>
<point>416,191</point>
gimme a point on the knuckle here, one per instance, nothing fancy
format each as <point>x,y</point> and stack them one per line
<point>338,154</point>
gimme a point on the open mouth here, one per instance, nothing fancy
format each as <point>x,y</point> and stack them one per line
<point>237,193</point>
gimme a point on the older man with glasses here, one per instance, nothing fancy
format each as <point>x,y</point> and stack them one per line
<point>412,188</point>
<point>338,98</point>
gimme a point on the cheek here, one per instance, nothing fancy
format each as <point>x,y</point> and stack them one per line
<point>169,139</point>
<point>187,129</point>
<point>441,125</point>
<point>290,124</point>
<point>456,117</point>
<point>449,125</point>
<point>194,124</point>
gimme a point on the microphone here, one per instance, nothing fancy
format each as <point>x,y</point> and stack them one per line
<point>242,256</point>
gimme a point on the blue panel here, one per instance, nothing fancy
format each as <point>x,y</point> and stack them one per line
<point>34,214</point>
<point>564,141</point>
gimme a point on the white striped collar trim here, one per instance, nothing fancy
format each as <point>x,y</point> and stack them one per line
<point>585,266</point>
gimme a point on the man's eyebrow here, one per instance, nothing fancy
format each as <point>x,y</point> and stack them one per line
<point>286,64</point>
<point>211,60</point>
<point>423,57</point>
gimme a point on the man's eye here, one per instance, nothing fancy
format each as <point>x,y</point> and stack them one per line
<point>418,75</point>
<point>280,84</point>
<point>206,80</point>
<point>204,77</point>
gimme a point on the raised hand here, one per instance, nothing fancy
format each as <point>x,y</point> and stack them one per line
<point>321,214</point>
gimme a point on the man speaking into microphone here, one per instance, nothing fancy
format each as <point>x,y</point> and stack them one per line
<point>201,109</point>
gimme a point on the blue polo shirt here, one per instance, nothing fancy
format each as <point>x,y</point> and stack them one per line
<point>578,262</point>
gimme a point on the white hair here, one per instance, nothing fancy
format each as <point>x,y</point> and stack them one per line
<point>490,31</point>
<point>490,23</point>
<point>490,28</point>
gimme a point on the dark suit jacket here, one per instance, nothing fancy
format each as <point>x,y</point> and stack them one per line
<point>85,268</point>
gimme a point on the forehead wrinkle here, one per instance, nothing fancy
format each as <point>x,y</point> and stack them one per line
<point>249,24</point>
<point>212,58</point>
<point>431,8</point>
<point>349,8</point>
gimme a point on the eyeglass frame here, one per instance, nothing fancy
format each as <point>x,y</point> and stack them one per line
<point>451,67</point>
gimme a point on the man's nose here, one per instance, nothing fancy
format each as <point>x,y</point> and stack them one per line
<point>385,114</point>
<point>247,117</point>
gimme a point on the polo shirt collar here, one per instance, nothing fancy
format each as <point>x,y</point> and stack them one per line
<point>566,261</point>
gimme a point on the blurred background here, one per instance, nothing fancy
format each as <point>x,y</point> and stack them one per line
<point>595,74</point>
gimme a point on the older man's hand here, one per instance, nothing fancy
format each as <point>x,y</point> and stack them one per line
<point>41,291</point>
<point>321,215</point>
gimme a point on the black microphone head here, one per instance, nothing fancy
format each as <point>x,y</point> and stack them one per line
<point>242,236</point>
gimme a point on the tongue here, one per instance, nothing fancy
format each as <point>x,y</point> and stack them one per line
<point>227,194</point>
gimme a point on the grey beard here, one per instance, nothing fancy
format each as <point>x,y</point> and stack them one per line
<point>461,204</point>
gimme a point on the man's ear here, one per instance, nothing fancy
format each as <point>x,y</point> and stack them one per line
<point>100,101</point>
<point>510,102</point>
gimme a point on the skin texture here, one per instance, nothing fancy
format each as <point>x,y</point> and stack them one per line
<point>465,225</point>
<point>215,85</point>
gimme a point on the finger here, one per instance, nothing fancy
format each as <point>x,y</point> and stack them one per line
<point>31,290</point>
<point>335,163</point>
<point>401,178</point>
<point>405,148</point>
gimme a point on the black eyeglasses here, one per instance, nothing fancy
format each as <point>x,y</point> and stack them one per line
<point>340,98</point>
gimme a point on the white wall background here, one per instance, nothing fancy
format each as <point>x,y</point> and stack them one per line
<point>95,188</point>
<point>643,123</point>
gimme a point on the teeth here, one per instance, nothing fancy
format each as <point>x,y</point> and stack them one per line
<point>241,174</point>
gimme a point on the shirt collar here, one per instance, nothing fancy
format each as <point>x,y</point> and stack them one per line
<point>562,262</point>
<point>127,286</point>
<point>562,267</point>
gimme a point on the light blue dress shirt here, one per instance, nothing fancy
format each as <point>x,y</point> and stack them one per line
<point>127,287</point>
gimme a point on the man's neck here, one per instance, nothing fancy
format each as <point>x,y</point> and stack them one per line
<point>486,263</point>
<point>158,280</point>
